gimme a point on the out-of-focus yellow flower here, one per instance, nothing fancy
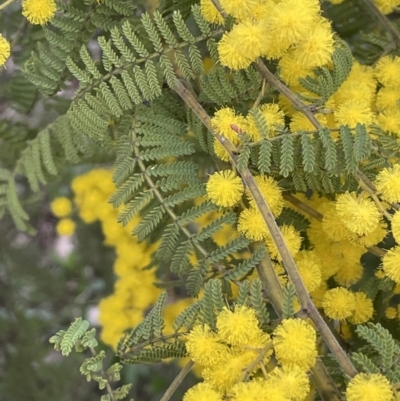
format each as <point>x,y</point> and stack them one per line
<point>65,227</point>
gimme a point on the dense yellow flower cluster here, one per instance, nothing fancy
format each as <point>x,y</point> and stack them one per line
<point>134,291</point>
<point>238,348</point>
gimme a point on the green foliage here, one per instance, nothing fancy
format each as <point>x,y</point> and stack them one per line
<point>289,296</point>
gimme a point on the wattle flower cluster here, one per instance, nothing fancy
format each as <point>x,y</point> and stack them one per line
<point>232,355</point>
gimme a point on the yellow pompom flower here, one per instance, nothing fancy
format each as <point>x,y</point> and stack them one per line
<point>204,346</point>
<point>387,183</point>
<point>333,226</point>
<point>387,98</point>
<point>38,11</point>
<point>61,207</point>
<point>309,267</point>
<point>290,21</point>
<point>391,264</point>
<point>274,117</point>
<point>290,69</point>
<point>339,303</point>
<point>348,273</point>
<point>202,392</point>
<point>396,226</point>
<point>316,46</point>
<point>350,113</point>
<point>369,387</point>
<point>247,391</point>
<point>292,240</point>
<point>4,49</point>
<point>391,312</point>
<point>65,227</point>
<point>364,309</point>
<point>238,327</point>
<point>389,121</point>
<point>224,188</point>
<point>230,55</point>
<point>293,379</point>
<point>359,215</point>
<point>239,9</point>
<point>295,343</point>
<point>372,238</point>
<point>252,225</point>
<point>387,6</point>
<point>271,193</point>
<point>301,123</point>
<point>387,71</point>
<point>210,12</point>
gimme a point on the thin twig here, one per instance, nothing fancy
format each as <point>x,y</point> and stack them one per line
<point>177,381</point>
<point>5,4</point>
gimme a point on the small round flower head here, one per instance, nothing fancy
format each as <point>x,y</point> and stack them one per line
<point>291,20</point>
<point>290,69</point>
<point>295,343</point>
<point>316,47</point>
<point>309,267</point>
<point>239,327</point>
<point>65,227</point>
<point>39,11</point>
<point>372,238</point>
<point>210,12</point>
<point>4,50</point>
<point>339,303</point>
<point>391,264</point>
<point>387,98</point>
<point>391,312</point>
<point>292,240</point>
<point>247,391</point>
<point>202,392</point>
<point>271,193</point>
<point>224,188</point>
<point>348,273</point>
<point>387,183</point>
<point>204,346</point>
<point>281,273</point>
<point>389,121</point>
<point>252,225</point>
<point>61,207</point>
<point>386,6</point>
<point>293,379</point>
<point>230,55</point>
<point>369,387</point>
<point>274,118</point>
<point>353,89</point>
<point>364,309</point>
<point>359,215</point>
<point>249,38</point>
<point>387,71</point>
<point>333,226</point>
<point>239,9</point>
<point>350,113</point>
<point>396,226</point>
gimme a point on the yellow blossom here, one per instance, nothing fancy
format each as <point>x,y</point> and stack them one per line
<point>352,112</point>
<point>369,387</point>
<point>202,392</point>
<point>293,379</point>
<point>387,98</point>
<point>364,309</point>
<point>61,207</point>
<point>252,225</point>
<point>391,264</point>
<point>387,183</point>
<point>210,12</point>
<point>348,273</point>
<point>230,55</point>
<point>387,71</point>
<point>39,11</point>
<point>4,49</point>
<point>389,121</point>
<point>309,267</point>
<point>391,312</point>
<point>316,46</point>
<point>339,303</point>
<point>270,191</point>
<point>290,69</point>
<point>65,227</point>
<point>295,343</point>
<point>238,327</point>
<point>359,215</point>
<point>239,8</point>
<point>292,240</point>
<point>224,188</point>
